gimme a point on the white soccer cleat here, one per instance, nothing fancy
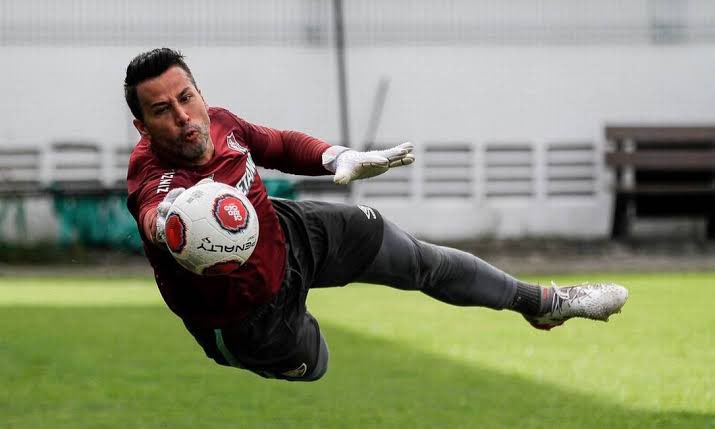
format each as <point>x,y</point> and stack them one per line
<point>596,301</point>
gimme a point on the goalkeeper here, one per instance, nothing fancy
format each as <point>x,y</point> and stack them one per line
<point>256,318</point>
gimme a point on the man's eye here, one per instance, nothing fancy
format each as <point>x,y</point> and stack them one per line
<point>186,98</point>
<point>160,110</point>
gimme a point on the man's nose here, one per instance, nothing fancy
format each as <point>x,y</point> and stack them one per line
<point>182,118</point>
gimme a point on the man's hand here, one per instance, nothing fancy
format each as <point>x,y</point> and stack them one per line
<point>162,210</point>
<point>349,165</point>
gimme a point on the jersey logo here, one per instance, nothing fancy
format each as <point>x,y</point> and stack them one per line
<point>244,185</point>
<point>232,143</point>
<point>370,213</point>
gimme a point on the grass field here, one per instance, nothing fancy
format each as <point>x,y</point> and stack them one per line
<point>106,353</point>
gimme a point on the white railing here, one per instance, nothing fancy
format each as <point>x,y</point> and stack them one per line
<point>454,190</point>
<point>79,167</point>
<point>457,190</point>
<point>470,171</point>
<point>481,172</point>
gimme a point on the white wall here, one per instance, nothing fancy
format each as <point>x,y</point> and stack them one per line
<point>533,93</point>
<point>436,93</point>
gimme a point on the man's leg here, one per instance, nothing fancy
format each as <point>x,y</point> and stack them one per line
<point>281,340</point>
<point>446,274</point>
<point>459,278</point>
<point>306,360</point>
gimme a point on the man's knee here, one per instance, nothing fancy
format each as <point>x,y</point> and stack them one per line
<point>313,370</point>
<point>308,362</point>
<point>321,364</point>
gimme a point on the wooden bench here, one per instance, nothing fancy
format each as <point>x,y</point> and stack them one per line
<point>662,171</point>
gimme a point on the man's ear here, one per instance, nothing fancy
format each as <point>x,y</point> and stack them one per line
<point>139,125</point>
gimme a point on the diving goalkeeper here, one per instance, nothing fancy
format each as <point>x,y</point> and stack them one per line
<point>256,317</point>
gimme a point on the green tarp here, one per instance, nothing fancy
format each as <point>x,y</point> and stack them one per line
<point>104,221</point>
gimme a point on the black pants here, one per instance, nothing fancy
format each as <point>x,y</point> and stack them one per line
<point>280,340</point>
<point>333,245</point>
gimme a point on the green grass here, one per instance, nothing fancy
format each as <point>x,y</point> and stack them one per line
<point>106,353</point>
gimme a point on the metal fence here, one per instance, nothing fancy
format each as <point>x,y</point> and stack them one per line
<point>368,22</point>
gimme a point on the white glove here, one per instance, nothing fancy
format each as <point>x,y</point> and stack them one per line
<point>162,210</point>
<point>349,165</point>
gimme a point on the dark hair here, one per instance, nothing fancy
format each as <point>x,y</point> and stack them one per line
<point>148,65</point>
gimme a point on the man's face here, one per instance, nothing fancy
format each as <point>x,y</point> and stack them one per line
<point>176,119</point>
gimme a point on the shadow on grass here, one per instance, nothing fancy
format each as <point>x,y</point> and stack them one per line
<point>383,384</point>
<point>137,367</point>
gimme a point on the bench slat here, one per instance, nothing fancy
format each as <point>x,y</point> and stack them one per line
<point>689,189</point>
<point>664,160</point>
<point>662,134</point>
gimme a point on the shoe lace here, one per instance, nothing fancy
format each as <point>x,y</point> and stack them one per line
<point>557,298</point>
<point>571,295</point>
<point>562,295</point>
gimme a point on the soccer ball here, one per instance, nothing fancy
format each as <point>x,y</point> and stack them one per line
<point>211,229</point>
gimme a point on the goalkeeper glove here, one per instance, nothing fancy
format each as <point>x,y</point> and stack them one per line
<point>162,210</point>
<point>349,165</point>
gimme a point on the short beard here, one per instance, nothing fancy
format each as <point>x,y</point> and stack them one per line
<point>183,153</point>
<point>194,151</point>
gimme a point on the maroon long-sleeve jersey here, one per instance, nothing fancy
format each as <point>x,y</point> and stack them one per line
<point>239,146</point>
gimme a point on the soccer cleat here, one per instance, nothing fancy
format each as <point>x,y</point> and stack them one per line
<point>596,301</point>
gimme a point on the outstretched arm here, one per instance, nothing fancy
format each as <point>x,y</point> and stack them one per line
<point>298,153</point>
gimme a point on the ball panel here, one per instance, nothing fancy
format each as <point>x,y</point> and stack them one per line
<point>192,202</point>
<point>230,213</point>
<point>175,233</point>
<point>222,268</point>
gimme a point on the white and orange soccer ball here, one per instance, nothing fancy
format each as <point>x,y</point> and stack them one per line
<point>211,229</point>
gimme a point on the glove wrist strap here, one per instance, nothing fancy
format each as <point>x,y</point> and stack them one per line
<point>330,157</point>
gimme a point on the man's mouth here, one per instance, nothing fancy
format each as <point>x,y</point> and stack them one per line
<point>191,135</point>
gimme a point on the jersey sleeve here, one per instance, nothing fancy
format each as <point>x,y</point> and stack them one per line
<point>291,152</point>
<point>147,185</point>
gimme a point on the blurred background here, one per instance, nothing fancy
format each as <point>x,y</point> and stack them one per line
<point>535,120</point>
